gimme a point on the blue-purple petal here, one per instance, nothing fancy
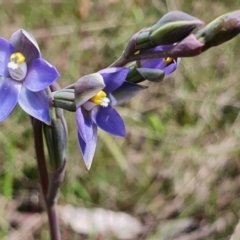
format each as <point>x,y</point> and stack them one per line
<point>35,104</point>
<point>9,94</point>
<point>6,50</point>
<point>160,63</point>
<point>155,63</point>
<point>171,67</point>
<point>88,149</point>
<point>25,43</point>
<point>41,75</point>
<point>108,119</point>
<point>113,78</point>
<point>125,93</point>
<point>85,124</point>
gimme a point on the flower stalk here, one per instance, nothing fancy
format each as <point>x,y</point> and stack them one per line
<point>44,179</point>
<point>56,139</point>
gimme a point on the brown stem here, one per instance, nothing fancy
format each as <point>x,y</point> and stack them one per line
<point>44,179</point>
<point>41,161</point>
<point>53,222</point>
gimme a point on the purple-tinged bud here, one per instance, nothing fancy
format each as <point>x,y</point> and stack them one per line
<point>220,30</point>
<point>188,47</point>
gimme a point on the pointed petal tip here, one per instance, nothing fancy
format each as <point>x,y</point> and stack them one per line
<point>88,160</point>
<point>45,118</point>
<point>123,133</point>
<point>88,149</point>
<point>88,165</point>
<point>48,122</point>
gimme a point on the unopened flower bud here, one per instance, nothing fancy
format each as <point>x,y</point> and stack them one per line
<point>64,99</point>
<point>172,32</point>
<point>220,30</point>
<point>56,138</point>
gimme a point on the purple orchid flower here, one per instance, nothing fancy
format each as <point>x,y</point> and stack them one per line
<point>23,77</point>
<point>168,65</point>
<point>97,110</point>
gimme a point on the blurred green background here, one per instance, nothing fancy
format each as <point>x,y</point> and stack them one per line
<point>181,156</point>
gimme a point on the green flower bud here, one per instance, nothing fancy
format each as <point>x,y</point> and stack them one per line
<point>153,75</point>
<point>137,75</point>
<point>64,99</point>
<point>172,32</point>
<point>56,136</point>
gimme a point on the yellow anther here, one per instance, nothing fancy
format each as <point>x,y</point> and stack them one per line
<point>98,98</point>
<point>17,58</point>
<point>168,60</point>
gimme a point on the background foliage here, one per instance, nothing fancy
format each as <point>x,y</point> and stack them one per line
<point>180,158</point>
